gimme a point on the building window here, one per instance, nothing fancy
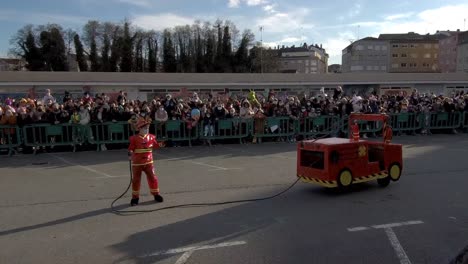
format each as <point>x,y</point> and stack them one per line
<point>376,68</point>
<point>403,55</point>
<point>427,56</point>
<point>369,68</point>
<point>395,55</point>
<point>427,46</point>
<point>426,65</point>
<point>357,68</point>
<point>412,46</point>
<point>435,55</point>
<point>370,47</point>
<point>413,65</point>
<point>377,47</point>
<point>395,65</point>
<point>404,45</point>
<point>414,55</point>
<point>403,65</point>
<point>313,63</point>
<point>359,47</point>
<point>384,47</point>
<point>384,68</point>
<point>395,45</point>
<point>307,62</point>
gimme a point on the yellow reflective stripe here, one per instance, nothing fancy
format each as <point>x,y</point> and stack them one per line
<point>143,150</point>
<point>142,164</point>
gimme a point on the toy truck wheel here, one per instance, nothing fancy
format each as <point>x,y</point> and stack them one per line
<point>384,182</point>
<point>345,178</point>
<point>394,172</point>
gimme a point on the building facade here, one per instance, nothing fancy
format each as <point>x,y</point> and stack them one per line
<point>462,52</point>
<point>305,59</point>
<point>448,47</point>
<point>413,52</point>
<point>365,55</point>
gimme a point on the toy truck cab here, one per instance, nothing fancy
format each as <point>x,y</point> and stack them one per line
<point>340,162</point>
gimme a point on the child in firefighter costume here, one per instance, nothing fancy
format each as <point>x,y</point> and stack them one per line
<point>140,152</point>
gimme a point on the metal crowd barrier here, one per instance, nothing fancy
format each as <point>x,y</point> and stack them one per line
<point>281,127</point>
<point>109,133</point>
<point>233,128</point>
<point>46,135</point>
<point>176,130</point>
<point>100,134</point>
<point>444,121</point>
<point>406,122</point>
<point>10,138</point>
<point>320,125</point>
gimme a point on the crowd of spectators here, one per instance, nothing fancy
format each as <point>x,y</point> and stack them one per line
<point>208,108</point>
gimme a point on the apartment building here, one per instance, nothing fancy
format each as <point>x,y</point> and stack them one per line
<point>448,48</point>
<point>366,55</point>
<point>311,59</point>
<point>413,52</point>
<point>462,52</point>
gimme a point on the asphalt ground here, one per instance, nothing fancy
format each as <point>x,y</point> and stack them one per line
<point>54,208</point>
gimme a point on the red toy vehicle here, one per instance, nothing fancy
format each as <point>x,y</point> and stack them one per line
<point>340,162</point>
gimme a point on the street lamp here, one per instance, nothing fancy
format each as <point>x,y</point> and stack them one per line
<point>261,49</point>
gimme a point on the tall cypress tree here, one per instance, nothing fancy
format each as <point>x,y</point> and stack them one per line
<point>80,57</point>
<point>126,50</point>
<point>169,58</point>
<point>32,54</point>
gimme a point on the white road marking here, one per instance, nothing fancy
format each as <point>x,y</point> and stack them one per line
<point>81,166</point>
<point>398,224</point>
<point>401,254</point>
<point>185,257</point>
<point>359,228</point>
<point>194,248</point>
<point>107,177</point>
<point>198,163</point>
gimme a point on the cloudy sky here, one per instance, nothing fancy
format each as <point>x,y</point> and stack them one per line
<point>286,22</point>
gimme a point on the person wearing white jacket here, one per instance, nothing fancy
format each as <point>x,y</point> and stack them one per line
<point>85,118</point>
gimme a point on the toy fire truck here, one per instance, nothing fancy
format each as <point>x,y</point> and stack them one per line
<point>340,162</point>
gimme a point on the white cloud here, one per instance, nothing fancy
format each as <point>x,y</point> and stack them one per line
<point>233,3</point>
<point>283,22</point>
<point>162,21</point>
<point>448,17</point>
<point>41,18</point>
<point>140,3</point>
<point>270,8</point>
<point>236,3</point>
<point>256,2</point>
<point>399,16</point>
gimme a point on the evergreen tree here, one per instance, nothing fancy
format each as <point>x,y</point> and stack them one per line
<point>80,57</point>
<point>169,59</point>
<point>126,50</point>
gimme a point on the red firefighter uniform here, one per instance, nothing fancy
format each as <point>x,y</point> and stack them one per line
<point>355,131</point>
<point>387,134</point>
<point>140,149</point>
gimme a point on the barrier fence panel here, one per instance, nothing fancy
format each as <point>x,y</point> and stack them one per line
<point>231,128</point>
<point>465,122</point>
<point>46,135</point>
<point>110,133</point>
<point>444,120</point>
<point>176,130</point>
<point>365,127</point>
<point>405,122</point>
<point>320,125</point>
<point>10,138</point>
<point>280,127</point>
